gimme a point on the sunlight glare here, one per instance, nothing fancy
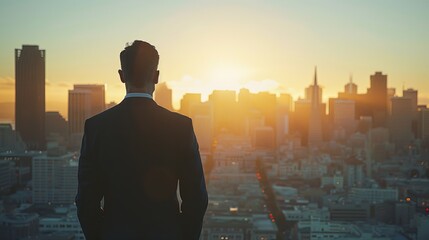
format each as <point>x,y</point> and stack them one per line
<point>227,77</point>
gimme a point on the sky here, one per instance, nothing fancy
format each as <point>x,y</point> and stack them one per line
<point>205,45</point>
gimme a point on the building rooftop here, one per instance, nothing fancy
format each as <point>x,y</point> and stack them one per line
<point>18,218</point>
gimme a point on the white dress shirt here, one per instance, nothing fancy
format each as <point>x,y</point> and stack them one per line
<point>145,95</point>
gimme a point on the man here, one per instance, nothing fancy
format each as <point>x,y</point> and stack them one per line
<point>134,155</point>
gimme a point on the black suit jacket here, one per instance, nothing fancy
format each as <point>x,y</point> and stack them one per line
<point>134,155</point>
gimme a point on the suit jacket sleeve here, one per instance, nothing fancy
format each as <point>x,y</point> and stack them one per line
<point>192,189</point>
<point>89,188</point>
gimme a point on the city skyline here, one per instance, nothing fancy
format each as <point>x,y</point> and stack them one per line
<point>176,103</point>
<point>223,45</point>
<point>307,119</point>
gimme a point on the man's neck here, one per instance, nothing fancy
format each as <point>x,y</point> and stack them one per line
<point>145,90</point>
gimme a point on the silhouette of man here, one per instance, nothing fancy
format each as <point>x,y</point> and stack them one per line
<point>135,155</point>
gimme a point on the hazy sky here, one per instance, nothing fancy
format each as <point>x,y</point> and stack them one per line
<point>262,45</point>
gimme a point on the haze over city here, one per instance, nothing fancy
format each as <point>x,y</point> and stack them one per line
<point>206,45</point>
<point>300,119</point>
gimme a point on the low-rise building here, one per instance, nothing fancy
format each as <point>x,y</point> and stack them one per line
<point>18,225</point>
<point>373,195</point>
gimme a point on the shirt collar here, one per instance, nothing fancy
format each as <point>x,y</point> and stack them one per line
<point>145,95</point>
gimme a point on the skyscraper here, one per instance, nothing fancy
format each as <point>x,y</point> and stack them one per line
<point>188,100</point>
<point>97,98</point>
<point>79,109</point>
<point>351,87</point>
<point>315,122</point>
<point>225,107</point>
<point>423,124</point>
<point>284,107</point>
<point>310,90</point>
<point>30,95</point>
<point>391,92</point>
<point>163,96</point>
<point>85,101</point>
<point>401,121</point>
<point>413,95</point>
<point>56,126</point>
<point>378,98</point>
<point>361,100</point>
<point>342,114</point>
<point>202,118</point>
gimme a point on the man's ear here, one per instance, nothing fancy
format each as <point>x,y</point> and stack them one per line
<point>121,75</point>
<point>156,77</point>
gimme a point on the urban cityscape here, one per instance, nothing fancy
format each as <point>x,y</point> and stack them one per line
<point>353,167</point>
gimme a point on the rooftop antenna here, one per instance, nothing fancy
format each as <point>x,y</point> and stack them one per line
<point>350,84</point>
<point>315,75</point>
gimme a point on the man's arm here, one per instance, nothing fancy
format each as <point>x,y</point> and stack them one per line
<point>89,189</point>
<point>192,190</point>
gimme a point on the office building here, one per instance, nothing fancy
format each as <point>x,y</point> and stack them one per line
<point>7,112</point>
<point>78,112</point>
<point>353,172</point>
<point>224,111</point>
<point>423,124</point>
<point>85,101</point>
<point>30,95</point>
<point>400,124</point>
<point>309,93</point>
<point>202,119</point>
<point>7,176</point>
<point>373,195</point>
<point>378,99</point>
<point>56,126</point>
<point>54,178</point>
<point>188,100</point>
<point>19,225</point>
<point>10,140</point>
<point>413,95</point>
<point>163,96</point>
<point>97,97</point>
<point>22,162</point>
<point>351,87</point>
<point>64,223</point>
<point>265,103</point>
<point>349,212</point>
<point>342,114</point>
<point>300,120</point>
<point>391,92</point>
<point>264,138</point>
<point>284,103</point>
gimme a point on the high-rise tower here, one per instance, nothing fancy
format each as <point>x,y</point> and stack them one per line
<point>315,121</point>
<point>351,87</point>
<point>413,95</point>
<point>85,101</point>
<point>98,97</point>
<point>378,98</point>
<point>30,95</point>
<point>163,96</point>
<point>401,121</point>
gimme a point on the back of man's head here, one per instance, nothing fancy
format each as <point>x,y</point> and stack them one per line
<point>139,63</point>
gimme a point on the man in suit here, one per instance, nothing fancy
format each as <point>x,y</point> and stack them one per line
<point>134,155</point>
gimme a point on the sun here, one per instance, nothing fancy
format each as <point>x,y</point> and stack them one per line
<point>227,77</point>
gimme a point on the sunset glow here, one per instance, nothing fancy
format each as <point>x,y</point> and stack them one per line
<point>263,46</point>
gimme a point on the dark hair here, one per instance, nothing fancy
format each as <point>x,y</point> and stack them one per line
<point>139,61</point>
